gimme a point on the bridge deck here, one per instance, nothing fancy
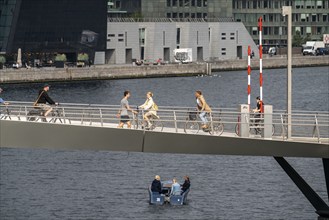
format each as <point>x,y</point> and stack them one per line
<point>90,131</point>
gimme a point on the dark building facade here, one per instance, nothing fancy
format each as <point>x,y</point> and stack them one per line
<point>55,26</point>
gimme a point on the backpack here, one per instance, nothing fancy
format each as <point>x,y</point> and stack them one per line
<point>155,107</point>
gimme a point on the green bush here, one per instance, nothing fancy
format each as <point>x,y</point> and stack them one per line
<point>60,57</point>
<point>2,59</point>
<point>83,57</point>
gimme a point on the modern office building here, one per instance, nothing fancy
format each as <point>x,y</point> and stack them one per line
<point>52,26</point>
<point>309,18</point>
<point>186,8</point>
<point>209,41</point>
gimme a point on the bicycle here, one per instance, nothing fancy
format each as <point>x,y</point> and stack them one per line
<point>5,113</point>
<point>38,114</point>
<point>139,122</point>
<point>255,125</point>
<point>192,125</point>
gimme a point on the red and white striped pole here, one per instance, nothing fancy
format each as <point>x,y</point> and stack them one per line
<point>260,26</point>
<point>249,71</point>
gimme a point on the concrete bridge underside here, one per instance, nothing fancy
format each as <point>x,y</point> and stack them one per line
<point>22,134</point>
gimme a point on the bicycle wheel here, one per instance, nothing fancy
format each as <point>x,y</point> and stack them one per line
<point>218,129</point>
<point>157,126</point>
<point>236,129</point>
<point>191,127</point>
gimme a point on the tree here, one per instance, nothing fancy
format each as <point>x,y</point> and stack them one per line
<point>297,40</point>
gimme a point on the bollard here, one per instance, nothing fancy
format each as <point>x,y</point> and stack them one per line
<point>244,120</point>
<point>267,121</point>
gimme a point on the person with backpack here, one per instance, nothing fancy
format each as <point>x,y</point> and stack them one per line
<point>203,108</point>
<point>150,107</point>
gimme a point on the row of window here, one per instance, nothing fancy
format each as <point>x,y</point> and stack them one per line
<point>187,3</point>
<point>187,15</point>
<point>267,4</point>
<point>283,30</point>
<point>296,17</point>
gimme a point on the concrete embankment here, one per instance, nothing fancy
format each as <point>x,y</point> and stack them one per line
<point>130,71</point>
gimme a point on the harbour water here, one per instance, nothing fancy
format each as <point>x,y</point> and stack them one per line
<point>56,184</point>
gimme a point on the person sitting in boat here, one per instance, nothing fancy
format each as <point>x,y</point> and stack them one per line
<point>186,185</point>
<point>151,107</point>
<point>156,185</point>
<point>175,188</point>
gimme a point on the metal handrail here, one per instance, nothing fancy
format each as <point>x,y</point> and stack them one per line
<point>175,118</point>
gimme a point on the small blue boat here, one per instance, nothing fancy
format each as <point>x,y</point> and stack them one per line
<point>156,198</point>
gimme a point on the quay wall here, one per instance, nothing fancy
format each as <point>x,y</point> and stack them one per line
<point>131,71</point>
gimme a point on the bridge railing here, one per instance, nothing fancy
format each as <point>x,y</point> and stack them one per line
<point>307,124</point>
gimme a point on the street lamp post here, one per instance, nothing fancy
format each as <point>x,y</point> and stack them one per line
<point>286,11</point>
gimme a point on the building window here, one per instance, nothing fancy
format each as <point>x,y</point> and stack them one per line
<point>187,3</point>
<point>232,34</point>
<point>199,3</point>
<point>254,4</point>
<point>223,49</point>
<point>308,30</point>
<point>319,4</point>
<point>205,3</point>
<point>111,35</point>
<point>168,3</point>
<point>232,38</point>
<point>319,30</point>
<point>117,4</point>
<point>121,40</point>
<point>181,15</point>
<point>126,38</point>
<point>197,37</point>
<point>324,17</point>
<point>224,53</point>
<point>223,34</point>
<point>205,15</point>
<point>199,15</point>
<point>181,3</point>
<point>193,3</point>
<point>187,15</point>
<point>178,36</point>
<point>174,15</point>
<point>174,3</point>
<point>120,35</point>
<point>142,36</point>
<point>223,38</point>
<point>168,15</point>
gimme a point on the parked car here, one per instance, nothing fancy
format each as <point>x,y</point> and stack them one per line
<point>272,51</point>
<point>322,51</point>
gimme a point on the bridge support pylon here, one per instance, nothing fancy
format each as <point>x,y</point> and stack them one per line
<point>321,207</point>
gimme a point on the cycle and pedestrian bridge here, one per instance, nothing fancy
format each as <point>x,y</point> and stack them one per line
<point>94,127</point>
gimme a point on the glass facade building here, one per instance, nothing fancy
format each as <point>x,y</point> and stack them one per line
<point>53,26</point>
<point>309,18</point>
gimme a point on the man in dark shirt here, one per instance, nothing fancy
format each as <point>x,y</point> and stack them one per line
<point>156,185</point>
<point>258,113</point>
<point>43,99</point>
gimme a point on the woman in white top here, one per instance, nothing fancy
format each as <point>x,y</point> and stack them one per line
<point>149,106</point>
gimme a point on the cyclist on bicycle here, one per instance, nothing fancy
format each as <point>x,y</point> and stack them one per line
<point>151,107</point>
<point>258,111</point>
<point>43,99</point>
<point>203,108</point>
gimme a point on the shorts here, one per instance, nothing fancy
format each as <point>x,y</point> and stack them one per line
<point>44,107</point>
<point>124,118</point>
